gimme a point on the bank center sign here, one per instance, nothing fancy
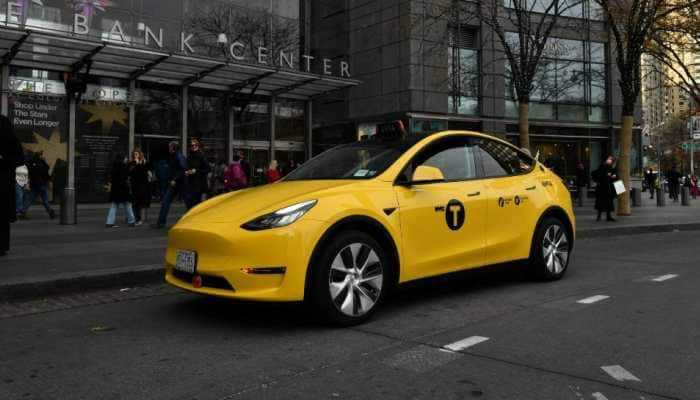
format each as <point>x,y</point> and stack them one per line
<point>236,50</point>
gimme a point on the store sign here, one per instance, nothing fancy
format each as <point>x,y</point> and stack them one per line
<point>155,37</point>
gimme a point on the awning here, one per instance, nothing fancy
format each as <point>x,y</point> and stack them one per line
<point>33,49</point>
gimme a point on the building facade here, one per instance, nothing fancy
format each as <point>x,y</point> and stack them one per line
<point>87,81</point>
<point>438,74</point>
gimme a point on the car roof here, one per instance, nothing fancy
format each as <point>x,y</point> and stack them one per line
<point>411,139</point>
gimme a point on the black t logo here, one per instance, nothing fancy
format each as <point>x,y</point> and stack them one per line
<point>517,200</point>
<point>501,202</point>
<point>454,215</point>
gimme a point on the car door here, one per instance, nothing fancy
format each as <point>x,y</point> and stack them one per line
<point>442,223</point>
<point>513,200</point>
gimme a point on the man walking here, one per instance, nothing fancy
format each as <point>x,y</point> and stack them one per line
<point>196,174</point>
<point>10,158</point>
<point>650,180</point>
<point>177,164</point>
<point>39,178</point>
<point>674,181</point>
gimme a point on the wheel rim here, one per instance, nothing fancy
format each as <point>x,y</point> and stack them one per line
<point>355,280</point>
<point>555,249</point>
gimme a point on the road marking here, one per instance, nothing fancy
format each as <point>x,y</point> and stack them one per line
<point>593,299</point>
<point>619,373</point>
<point>599,396</point>
<point>464,343</point>
<point>664,277</point>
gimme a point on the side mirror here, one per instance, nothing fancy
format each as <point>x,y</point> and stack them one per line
<point>426,174</point>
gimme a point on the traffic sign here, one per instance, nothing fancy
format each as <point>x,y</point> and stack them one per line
<point>694,127</point>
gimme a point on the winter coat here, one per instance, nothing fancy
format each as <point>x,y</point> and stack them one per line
<point>140,188</point>
<point>273,175</point>
<point>604,178</point>
<point>120,190</point>
<point>197,183</point>
<point>177,164</point>
<point>38,172</point>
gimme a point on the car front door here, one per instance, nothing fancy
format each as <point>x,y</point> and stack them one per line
<point>442,222</point>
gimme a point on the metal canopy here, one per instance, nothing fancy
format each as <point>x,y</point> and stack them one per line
<point>34,49</point>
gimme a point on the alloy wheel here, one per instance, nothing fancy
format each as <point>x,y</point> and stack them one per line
<point>355,279</point>
<point>555,249</point>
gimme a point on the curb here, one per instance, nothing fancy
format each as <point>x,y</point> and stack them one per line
<point>51,285</point>
<point>635,230</point>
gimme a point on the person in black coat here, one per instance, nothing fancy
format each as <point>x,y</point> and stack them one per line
<point>581,183</point>
<point>197,170</point>
<point>650,179</point>
<point>605,193</point>
<point>120,192</point>
<point>674,183</point>
<point>140,187</point>
<point>11,157</point>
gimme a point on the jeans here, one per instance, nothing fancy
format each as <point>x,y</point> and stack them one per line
<point>41,191</point>
<point>168,198</point>
<point>112,214</point>
<point>21,195</point>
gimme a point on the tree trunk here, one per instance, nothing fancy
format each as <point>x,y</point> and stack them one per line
<point>623,165</point>
<point>524,124</point>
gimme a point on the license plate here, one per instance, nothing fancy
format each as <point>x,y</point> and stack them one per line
<point>186,261</point>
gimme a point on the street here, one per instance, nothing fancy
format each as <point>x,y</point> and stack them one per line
<point>624,323</point>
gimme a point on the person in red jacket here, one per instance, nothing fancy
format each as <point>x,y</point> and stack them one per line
<point>273,174</point>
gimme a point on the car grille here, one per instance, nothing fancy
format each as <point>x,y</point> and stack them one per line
<point>209,281</point>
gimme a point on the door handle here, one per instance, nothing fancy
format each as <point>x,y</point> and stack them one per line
<point>531,187</point>
<point>473,194</point>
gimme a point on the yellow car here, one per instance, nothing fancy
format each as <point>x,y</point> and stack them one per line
<point>347,225</point>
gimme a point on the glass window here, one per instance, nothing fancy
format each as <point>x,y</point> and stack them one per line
<point>453,157</point>
<point>499,159</point>
<point>570,81</point>
<point>158,109</point>
<point>544,86</point>
<point>289,125</point>
<point>597,52</point>
<point>596,11</point>
<point>571,8</point>
<point>598,84</point>
<point>463,73</point>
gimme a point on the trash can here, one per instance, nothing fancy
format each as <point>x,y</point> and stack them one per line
<point>636,197</point>
<point>660,197</point>
<point>685,196</point>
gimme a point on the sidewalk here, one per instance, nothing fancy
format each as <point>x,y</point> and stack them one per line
<point>47,258</point>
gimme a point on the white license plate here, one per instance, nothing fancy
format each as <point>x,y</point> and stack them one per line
<point>186,261</point>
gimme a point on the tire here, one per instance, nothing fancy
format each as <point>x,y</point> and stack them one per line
<point>350,278</point>
<point>551,250</point>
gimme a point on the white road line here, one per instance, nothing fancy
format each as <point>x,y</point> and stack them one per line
<point>599,396</point>
<point>664,277</point>
<point>464,343</point>
<point>619,373</point>
<point>593,299</point>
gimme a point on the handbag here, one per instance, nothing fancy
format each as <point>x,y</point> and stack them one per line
<point>619,187</point>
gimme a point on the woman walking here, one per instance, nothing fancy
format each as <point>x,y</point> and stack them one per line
<point>119,192</point>
<point>273,174</point>
<point>694,189</point>
<point>140,189</point>
<point>605,193</point>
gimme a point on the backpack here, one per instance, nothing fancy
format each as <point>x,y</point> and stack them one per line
<point>235,177</point>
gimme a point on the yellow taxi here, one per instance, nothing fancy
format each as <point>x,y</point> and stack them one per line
<point>352,222</point>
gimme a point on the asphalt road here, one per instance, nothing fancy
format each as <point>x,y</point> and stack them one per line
<point>485,334</point>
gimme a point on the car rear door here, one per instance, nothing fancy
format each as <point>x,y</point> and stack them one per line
<point>443,223</point>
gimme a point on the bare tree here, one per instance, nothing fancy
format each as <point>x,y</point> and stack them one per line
<point>632,23</point>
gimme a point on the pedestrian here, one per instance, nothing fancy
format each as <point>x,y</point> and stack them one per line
<point>177,164</point>
<point>247,170</point>
<point>291,166</point>
<point>196,174</point>
<point>11,157</point>
<point>140,186</point>
<point>162,176</point>
<point>650,181</point>
<point>581,183</point>
<point>39,178</point>
<point>218,173</point>
<point>235,177</point>
<point>694,189</point>
<point>674,181</point>
<point>21,189</point>
<point>120,194</point>
<point>273,174</point>
<point>605,193</point>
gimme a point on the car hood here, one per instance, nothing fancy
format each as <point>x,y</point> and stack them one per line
<point>243,205</point>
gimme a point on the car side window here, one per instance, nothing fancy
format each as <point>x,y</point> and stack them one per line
<point>454,157</point>
<point>498,159</point>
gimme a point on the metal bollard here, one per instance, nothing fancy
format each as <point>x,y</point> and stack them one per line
<point>636,197</point>
<point>69,208</point>
<point>660,197</point>
<point>685,196</point>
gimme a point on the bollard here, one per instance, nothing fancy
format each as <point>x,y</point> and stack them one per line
<point>69,215</point>
<point>636,197</point>
<point>660,197</point>
<point>685,196</point>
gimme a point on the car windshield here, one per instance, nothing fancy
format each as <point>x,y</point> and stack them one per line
<point>360,160</point>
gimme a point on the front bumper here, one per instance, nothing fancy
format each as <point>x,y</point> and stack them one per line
<point>225,250</point>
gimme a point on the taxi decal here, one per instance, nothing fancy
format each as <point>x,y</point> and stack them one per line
<point>455,214</point>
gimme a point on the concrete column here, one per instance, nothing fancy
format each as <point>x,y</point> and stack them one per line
<point>132,115</point>
<point>231,115</point>
<point>308,128</point>
<point>69,205</point>
<point>5,90</point>
<point>272,127</point>
<point>184,110</point>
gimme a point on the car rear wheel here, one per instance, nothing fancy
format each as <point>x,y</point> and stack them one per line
<point>350,278</point>
<point>550,252</point>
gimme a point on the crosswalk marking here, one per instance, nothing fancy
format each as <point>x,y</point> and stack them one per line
<point>619,373</point>
<point>664,277</point>
<point>599,396</point>
<point>593,299</point>
<point>464,343</point>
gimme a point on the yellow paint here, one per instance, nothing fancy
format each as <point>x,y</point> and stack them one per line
<point>419,226</point>
<point>53,149</point>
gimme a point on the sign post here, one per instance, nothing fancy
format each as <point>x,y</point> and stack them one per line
<point>694,132</point>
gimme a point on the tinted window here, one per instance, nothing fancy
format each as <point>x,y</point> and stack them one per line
<point>499,159</point>
<point>454,157</point>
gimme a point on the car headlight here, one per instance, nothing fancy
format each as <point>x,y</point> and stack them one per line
<point>279,218</point>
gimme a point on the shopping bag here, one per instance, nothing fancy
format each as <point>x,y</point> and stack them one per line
<point>619,187</point>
